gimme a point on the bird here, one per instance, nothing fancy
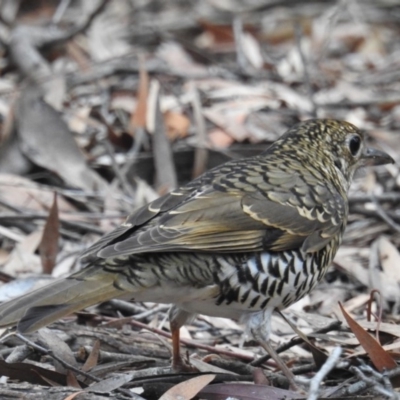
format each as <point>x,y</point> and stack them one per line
<point>245,239</point>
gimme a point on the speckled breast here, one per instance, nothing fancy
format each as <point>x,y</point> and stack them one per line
<point>272,280</point>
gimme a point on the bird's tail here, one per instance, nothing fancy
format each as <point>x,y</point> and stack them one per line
<point>43,306</point>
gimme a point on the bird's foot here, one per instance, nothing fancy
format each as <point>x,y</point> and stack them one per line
<point>181,366</point>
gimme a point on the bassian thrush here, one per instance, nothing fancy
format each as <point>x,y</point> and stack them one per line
<point>248,237</point>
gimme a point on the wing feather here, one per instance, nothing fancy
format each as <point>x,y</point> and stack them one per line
<point>222,213</point>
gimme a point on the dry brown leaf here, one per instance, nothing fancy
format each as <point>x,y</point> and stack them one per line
<point>177,125</point>
<point>49,381</point>
<point>138,118</point>
<point>387,347</point>
<point>78,55</point>
<point>58,347</point>
<point>379,357</point>
<point>46,140</point>
<point>220,33</point>
<point>72,381</point>
<point>188,389</point>
<point>391,329</point>
<point>166,178</point>
<point>259,377</point>
<point>26,372</point>
<point>319,356</point>
<point>93,358</point>
<point>48,248</point>
<point>220,139</point>
<point>73,395</point>
<point>285,30</point>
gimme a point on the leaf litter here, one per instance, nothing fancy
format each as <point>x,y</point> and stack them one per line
<point>121,109</point>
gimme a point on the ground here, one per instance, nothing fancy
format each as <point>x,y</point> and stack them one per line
<point>110,104</point>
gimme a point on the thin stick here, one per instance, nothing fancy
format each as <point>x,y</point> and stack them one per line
<point>47,352</point>
<point>323,372</point>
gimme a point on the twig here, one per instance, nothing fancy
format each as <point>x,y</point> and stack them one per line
<point>126,186</point>
<point>166,178</point>
<point>62,7</point>
<point>361,385</point>
<point>323,372</point>
<point>238,34</point>
<point>363,104</point>
<point>8,219</point>
<point>159,309</point>
<point>378,382</point>
<point>307,80</point>
<point>98,10</point>
<point>369,311</point>
<point>384,215</point>
<point>141,139</point>
<point>19,353</point>
<point>295,341</point>
<point>137,310</point>
<point>391,197</point>
<point>49,353</point>
<point>374,213</point>
<point>201,151</point>
<point>187,342</point>
<point>106,356</point>
<point>126,306</point>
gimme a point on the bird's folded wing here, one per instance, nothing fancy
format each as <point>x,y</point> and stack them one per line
<point>211,221</point>
<point>310,227</point>
<point>216,221</point>
<point>135,220</point>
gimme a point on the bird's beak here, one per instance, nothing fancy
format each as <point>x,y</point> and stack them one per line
<point>376,157</point>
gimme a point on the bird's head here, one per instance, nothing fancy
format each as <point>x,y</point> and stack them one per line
<point>337,147</point>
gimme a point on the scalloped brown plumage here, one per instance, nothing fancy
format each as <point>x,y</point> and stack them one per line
<point>243,239</point>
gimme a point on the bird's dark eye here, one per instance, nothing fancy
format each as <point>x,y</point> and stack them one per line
<point>354,145</point>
